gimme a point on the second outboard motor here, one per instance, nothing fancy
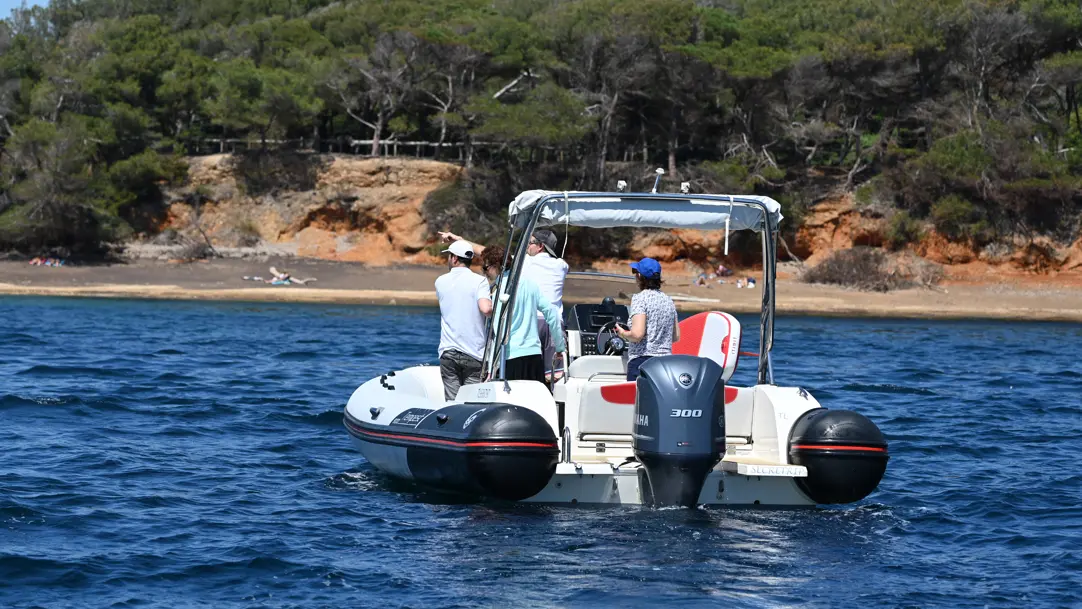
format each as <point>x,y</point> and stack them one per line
<point>679,426</point>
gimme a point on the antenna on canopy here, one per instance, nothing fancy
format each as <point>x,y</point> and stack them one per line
<point>727,218</point>
<point>660,172</point>
<point>621,185</point>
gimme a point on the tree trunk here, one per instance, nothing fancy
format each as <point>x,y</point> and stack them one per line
<point>645,149</point>
<point>673,142</point>
<point>857,166</point>
<point>1073,104</point>
<point>443,136</point>
<point>606,125</point>
<point>375,135</point>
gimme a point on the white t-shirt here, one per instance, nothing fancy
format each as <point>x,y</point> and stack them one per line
<point>462,326</point>
<point>549,274</point>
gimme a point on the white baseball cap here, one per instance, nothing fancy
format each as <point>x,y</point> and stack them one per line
<point>461,249</point>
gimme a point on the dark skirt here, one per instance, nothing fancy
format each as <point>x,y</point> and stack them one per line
<point>526,368</point>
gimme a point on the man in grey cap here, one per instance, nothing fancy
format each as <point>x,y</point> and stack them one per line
<point>548,271</point>
<point>465,302</point>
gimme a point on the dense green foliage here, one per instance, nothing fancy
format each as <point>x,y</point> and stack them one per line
<point>961,113</point>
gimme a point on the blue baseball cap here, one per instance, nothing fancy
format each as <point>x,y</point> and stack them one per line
<point>647,267</point>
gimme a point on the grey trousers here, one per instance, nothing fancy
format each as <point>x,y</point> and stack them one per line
<point>458,369</point>
<point>548,345</point>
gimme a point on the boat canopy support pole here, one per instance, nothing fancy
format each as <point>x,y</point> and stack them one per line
<point>500,326</point>
<point>503,325</point>
<point>766,317</point>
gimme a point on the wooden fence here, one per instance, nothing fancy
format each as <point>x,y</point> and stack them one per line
<point>446,151</point>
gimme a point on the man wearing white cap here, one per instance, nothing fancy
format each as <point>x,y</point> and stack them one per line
<point>464,304</point>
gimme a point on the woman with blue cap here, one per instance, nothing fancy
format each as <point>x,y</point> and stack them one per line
<point>654,325</point>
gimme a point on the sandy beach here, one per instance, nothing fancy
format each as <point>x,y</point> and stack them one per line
<point>1031,298</point>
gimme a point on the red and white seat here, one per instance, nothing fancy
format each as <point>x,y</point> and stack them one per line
<point>713,335</point>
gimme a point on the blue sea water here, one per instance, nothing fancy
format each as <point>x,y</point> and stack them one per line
<point>167,454</point>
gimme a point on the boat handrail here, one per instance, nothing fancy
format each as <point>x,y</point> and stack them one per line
<point>619,375</point>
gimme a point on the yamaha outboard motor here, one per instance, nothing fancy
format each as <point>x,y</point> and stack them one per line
<point>679,427</point>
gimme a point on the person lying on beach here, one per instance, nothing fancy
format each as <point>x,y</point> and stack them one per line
<point>284,278</point>
<point>280,278</point>
<point>39,261</point>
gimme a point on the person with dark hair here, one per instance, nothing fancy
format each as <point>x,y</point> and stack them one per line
<point>654,324</point>
<point>464,303</point>
<point>524,348</point>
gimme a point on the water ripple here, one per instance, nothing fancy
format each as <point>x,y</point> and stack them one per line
<point>147,465</point>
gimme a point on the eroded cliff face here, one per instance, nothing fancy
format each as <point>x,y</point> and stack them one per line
<point>330,207</point>
<point>369,210</point>
<point>836,224</point>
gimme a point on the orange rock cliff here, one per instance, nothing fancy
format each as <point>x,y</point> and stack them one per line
<point>369,210</point>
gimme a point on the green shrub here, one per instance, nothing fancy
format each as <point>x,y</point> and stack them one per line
<point>954,217</point>
<point>793,209</point>
<point>903,230</point>
<point>865,194</point>
<point>960,156</point>
<point>739,173</point>
<point>473,206</point>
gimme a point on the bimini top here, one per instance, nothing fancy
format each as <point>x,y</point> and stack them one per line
<point>645,210</point>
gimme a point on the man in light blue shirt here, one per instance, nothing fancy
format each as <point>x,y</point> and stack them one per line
<point>524,360</point>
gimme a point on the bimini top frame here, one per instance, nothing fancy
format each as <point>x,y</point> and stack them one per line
<point>536,208</point>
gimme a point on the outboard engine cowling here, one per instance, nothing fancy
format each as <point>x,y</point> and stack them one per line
<point>679,426</point>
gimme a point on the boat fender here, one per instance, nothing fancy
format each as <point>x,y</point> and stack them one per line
<point>844,451</point>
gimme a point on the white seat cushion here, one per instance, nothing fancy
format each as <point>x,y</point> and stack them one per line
<point>607,408</point>
<point>588,365</point>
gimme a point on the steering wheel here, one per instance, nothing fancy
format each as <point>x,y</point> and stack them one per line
<point>607,342</point>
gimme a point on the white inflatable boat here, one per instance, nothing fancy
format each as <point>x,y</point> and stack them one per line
<point>678,435</point>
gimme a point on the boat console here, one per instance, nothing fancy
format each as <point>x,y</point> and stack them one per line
<point>589,328</point>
